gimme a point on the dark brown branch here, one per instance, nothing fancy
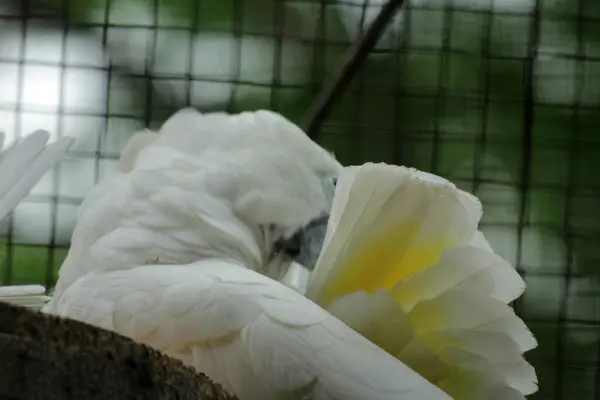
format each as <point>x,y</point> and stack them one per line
<point>46,357</point>
<point>350,67</point>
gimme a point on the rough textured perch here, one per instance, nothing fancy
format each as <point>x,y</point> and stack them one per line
<point>46,357</point>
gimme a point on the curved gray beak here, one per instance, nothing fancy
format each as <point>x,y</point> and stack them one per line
<point>306,244</point>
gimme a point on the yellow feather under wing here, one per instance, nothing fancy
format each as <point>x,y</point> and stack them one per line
<point>466,384</point>
<point>455,314</point>
<point>380,319</point>
<point>448,331</point>
<point>360,195</point>
<point>497,350</point>
<point>404,265</point>
<point>386,224</point>
<point>467,268</point>
<point>436,342</point>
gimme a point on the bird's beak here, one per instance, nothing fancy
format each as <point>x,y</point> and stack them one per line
<point>306,244</point>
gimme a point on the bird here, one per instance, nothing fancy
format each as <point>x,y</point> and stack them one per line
<point>182,250</point>
<point>236,244</point>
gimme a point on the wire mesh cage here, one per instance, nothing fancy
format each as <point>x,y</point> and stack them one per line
<point>500,96</point>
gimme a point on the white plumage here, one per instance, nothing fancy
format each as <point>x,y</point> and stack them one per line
<point>258,338</point>
<point>29,296</point>
<point>22,165</point>
<point>176,251</point>
<point>169,252</point>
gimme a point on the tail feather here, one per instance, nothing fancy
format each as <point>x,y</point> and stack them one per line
<point>404,265</point>
<point>24,163</point>
<point>30,296</point>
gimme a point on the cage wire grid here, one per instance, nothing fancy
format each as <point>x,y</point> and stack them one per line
<point>501,97</point>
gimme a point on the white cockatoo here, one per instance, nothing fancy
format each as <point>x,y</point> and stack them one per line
<point>176,250</point>
<point>22,165</point>
<point>187,249</point>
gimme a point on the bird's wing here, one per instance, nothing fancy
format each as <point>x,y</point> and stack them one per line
<point>257,337</point>
<point>403,264</point>
<point>380,214</point>
<point>23,164</point>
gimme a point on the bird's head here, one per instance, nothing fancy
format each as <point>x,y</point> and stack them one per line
<point>276,180</point>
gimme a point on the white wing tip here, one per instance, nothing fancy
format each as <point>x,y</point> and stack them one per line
<point>21,290</point>
<point>64,141</point>
<point>28,296</point>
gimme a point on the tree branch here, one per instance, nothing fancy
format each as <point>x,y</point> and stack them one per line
<point>47,357</point>
<point>349,68</point>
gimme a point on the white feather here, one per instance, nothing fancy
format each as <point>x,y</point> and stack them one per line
<point>254,335</point>
<point>473,385</point>
<point>404,264</point>
<point>24,163</point>
<point>30,296</point>
<point>465,268</point>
